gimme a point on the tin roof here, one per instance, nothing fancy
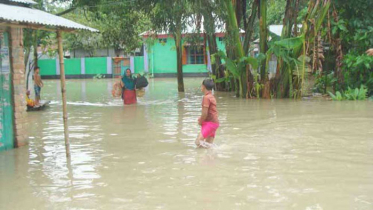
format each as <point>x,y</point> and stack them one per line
<point>191,28</point>
<point>24,1</point>
<point>24,15</point>
<point>277,29</point>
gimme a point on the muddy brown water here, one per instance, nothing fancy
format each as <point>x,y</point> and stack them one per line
<point>270,154</point>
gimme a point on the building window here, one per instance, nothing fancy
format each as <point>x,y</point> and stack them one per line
<point>195,55</point>
<point>220,39</point>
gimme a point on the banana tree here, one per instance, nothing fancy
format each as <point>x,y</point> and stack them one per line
<point>234,67</point>
<point>292,52</point>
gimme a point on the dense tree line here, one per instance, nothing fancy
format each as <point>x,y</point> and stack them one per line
<point>323,39</point>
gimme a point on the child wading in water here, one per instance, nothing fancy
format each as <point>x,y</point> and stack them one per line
<point>208,121</point>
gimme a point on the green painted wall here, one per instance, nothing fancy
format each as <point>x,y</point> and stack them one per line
<point>165,59</point>
<point>72,66</point>
<point>95,65</point>
<point>6,108</point>
<point>220,44</point>
<point>139,64</point>
<point>47,67</point>
<point>162,58</point>
<point>195,68</point>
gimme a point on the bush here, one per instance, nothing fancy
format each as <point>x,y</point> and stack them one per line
<point>359,71</point>
<point>324,82</point>
<point>351,94</point>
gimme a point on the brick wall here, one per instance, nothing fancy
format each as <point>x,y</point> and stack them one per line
<point>19,89</point>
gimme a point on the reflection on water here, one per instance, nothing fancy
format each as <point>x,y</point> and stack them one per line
<point>280,154</point>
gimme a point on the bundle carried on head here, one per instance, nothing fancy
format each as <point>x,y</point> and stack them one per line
<point>117,90</point>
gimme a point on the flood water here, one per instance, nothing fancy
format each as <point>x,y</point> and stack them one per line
<point>270,154</point>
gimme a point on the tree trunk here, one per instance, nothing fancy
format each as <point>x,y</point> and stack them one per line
<point>263,45</point>
<point>338,50</point>
<point>263,36</point>
<point>35,46</point>
<point>27,56</point>
<point>180,81</point>
<point>26,60</point>
<point>209,26</point>
<point>249,29</point>
<point>283,78</point>
<point>234,31</point>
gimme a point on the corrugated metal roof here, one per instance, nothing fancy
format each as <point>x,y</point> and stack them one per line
<point>277,29</point>
<point>190,29</point>
<point>26,15</point>
<point>24,1</point>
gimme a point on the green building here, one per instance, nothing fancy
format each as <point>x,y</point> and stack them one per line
<point>160,55</point>
<point>158,58</point>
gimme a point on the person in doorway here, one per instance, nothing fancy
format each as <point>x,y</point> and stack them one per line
<point>38,84</point>
<point>128,86</point>
<point>208,121</point>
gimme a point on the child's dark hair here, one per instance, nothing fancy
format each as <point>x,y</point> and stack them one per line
<point>208,83</point>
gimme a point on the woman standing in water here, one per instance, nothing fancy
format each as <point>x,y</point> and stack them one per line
<point>128,86</point>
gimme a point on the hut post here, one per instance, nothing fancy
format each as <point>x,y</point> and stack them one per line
<point>63,91</point>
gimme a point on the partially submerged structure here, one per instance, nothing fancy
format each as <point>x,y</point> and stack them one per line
<point>16,15</point>
<point>160,51</point>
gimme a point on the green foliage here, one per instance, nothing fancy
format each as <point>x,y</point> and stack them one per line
<point>359,71</point>
<point>287,50</point>
<point>276,11</point>
<point>357,94</point>
<point>119,25</point>
<point>337,97</point>
<point>235,66</point>
<point>324,82</point>
<point>355,24</point>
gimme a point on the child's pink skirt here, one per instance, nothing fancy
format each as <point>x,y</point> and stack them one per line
<point>208,129</point>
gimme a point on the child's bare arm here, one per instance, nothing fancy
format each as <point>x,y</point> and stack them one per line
<point>203,115</point>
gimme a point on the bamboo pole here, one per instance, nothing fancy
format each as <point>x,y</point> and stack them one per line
<point>63,91</point>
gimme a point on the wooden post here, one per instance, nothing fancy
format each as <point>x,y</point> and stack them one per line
<point>63,91</point>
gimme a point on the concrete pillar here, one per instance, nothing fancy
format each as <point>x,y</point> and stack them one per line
<point>82,66</point>
<point>132,64</point>
<point>58,72</point>
<point>146,62</point>
<point>109,65</point>
<point>19,89</point>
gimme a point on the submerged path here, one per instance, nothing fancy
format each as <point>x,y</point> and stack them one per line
<point>271,154</point>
